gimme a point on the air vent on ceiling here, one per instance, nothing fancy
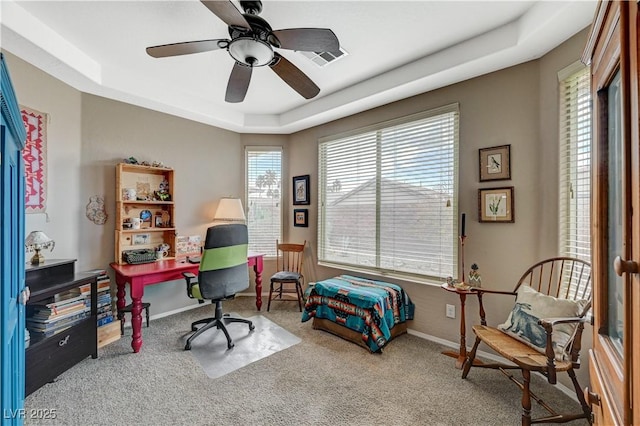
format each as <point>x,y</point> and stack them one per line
<point>322,59</point>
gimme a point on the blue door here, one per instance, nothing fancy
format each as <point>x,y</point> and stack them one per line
<point>12,289</point>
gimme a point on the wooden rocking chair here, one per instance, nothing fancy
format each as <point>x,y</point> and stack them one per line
<point>564,278</point>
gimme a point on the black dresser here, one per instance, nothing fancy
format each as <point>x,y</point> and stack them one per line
<point>49,356</point>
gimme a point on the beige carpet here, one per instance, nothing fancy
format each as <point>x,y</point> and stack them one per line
<point>323,380</point>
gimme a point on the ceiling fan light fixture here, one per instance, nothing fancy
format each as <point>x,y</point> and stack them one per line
<point>250,51</point>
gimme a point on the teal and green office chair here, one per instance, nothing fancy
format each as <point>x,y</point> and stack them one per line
<point>223,272</point>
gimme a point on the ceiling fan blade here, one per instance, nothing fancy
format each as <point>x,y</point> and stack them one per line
<point>226,11</point>
<point>184,48</point>
<point>238,83</point>
<point>308,39</point>
<point>295,78</point>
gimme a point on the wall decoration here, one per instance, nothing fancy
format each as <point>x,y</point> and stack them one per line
<point>496,205</point>
<point>301,192</point>
<point>301,217</point>
<point>35,160</point>
<point>495,163</point>
<point>96,211</point>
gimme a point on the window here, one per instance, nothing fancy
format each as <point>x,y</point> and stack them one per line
<point>264,198</point>
<point>575,162</point>
<point>388,197</point>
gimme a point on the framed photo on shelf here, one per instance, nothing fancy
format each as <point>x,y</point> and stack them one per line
<point>301,217</point>
<point>496,205</point>
<point>495,163</point>
<point>141,239</point>
<point>301,190</point>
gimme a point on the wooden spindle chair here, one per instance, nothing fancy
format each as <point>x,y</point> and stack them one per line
<point>563,278</point>
<point>289,261</point>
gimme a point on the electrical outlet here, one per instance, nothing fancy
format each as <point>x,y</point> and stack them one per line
<point>451,311</point>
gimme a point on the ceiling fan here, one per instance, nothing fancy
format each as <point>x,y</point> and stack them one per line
<point>252,45</point>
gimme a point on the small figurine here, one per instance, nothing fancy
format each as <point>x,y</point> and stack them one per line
<point>474,276</point>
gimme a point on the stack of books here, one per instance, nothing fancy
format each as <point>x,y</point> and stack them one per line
<point>103,307</point>
<point>108,327</point>
<point>66,310</point>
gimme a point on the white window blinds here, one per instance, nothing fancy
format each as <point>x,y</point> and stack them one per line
<point>264,198</point>
<point>575,162</point>
<point>388,197</point>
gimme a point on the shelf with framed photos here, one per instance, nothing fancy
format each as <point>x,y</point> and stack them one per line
<point>145,210</point>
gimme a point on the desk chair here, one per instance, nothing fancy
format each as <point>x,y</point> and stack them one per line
<point>289,258</point>
<point>223,272</point>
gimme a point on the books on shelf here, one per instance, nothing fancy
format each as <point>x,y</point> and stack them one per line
<point>49,328</point>
<point>70,307</point>
<point>47,315</point>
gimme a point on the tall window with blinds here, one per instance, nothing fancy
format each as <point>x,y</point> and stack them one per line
<point>575,162</point>
<point>388,197</point>
<point>264,198</point>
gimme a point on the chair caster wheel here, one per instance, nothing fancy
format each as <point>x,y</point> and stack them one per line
<point>187,347</point>
<point>230,346</point>
<point>251,327</point>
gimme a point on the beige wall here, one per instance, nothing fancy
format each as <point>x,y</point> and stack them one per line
<point>88,135</point>
<point>516,106</point>
<point>36,90</point>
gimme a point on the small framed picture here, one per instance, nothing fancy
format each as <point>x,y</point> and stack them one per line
<point>495,163</point>
<point>301,217</point>
<point>301,190</point>
<point>496,205</point>
<point>146,217</point>
<point>141,239</point>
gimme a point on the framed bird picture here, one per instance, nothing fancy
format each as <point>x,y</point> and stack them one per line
<point>495,163</point>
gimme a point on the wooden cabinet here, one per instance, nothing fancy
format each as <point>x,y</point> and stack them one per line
<point>50,355</point>
<point>144,209</point>
<point>612,52</point>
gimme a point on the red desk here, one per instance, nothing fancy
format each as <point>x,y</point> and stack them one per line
<point>138,276</point>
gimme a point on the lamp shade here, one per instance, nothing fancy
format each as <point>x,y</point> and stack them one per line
<point>230,209</point>
<point>38,239</point>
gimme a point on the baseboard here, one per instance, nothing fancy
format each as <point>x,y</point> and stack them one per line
<point>482,354</point>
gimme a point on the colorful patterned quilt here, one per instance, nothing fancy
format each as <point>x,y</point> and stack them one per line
<point>369,307</point>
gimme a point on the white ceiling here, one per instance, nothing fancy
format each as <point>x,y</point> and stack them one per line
<point>396,49</point>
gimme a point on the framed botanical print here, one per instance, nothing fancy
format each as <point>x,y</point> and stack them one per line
<point>496,205</point>
<point>301,190</point>
<point>495,163</point>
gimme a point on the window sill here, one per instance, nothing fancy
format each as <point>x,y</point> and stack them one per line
<point>417,279</point>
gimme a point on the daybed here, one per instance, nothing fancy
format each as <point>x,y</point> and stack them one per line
<point>367,312</point>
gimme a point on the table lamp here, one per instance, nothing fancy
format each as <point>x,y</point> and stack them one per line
<point>230,210</point>
<point>36,241</point>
